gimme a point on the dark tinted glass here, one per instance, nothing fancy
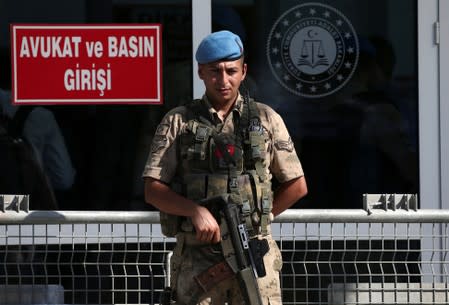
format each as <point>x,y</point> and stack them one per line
<point>343,75</point>
<point>107,145</point>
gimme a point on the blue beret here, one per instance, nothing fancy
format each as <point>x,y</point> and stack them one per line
<point>222,45</point>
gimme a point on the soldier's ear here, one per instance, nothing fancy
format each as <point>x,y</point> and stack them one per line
<point>201,71</point>
<point>244,69</point>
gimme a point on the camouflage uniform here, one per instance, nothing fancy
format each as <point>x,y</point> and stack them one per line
<point>190,257</point>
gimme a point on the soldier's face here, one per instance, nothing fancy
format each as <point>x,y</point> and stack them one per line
<point>222,80</point>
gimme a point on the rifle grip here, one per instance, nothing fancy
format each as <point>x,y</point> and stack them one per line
<point>258,250</point>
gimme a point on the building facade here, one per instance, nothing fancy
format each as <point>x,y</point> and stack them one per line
<point>361,86</point>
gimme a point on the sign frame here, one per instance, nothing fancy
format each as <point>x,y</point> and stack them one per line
<point>156,98</point>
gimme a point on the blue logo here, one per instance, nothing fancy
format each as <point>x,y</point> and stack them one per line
<point>312,50</point>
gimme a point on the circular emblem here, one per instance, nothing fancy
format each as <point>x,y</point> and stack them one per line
<point>312,50</point>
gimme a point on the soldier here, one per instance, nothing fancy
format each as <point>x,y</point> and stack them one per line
<point>224,143</point>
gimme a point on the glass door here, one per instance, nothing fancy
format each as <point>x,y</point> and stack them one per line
<point>344,76</point>
<point>101,149</point>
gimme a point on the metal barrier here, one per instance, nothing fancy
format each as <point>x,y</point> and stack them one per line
<point>373,256</point>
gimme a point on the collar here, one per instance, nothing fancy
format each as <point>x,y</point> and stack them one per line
<point>237,108</point>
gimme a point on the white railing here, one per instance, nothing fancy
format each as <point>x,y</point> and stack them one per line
<point>330,257</point>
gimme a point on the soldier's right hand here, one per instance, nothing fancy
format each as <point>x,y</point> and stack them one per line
<point>206,226</point>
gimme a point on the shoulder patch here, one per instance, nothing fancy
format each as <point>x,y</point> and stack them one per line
<point>159,142</point>
<point>284,145</point>
<point>162,129</point>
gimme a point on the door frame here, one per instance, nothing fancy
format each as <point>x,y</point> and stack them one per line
<point>428,108</point>
<point>444,100</point>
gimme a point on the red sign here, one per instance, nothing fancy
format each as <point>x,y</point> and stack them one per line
<point>86,64</point>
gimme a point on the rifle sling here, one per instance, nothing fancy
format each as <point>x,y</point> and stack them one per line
<point>214,275</point>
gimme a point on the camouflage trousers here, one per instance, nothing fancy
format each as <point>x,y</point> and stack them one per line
<point>189,260</point>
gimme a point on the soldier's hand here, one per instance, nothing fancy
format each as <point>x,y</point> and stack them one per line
<point>207,228</point>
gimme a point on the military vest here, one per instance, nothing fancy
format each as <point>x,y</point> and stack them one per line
<point>213,163</point>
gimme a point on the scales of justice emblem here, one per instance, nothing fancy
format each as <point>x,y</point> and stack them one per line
<point>312,54</point>
<point>312,50</point>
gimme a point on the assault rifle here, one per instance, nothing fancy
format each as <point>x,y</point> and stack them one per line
<point>244,255</point>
